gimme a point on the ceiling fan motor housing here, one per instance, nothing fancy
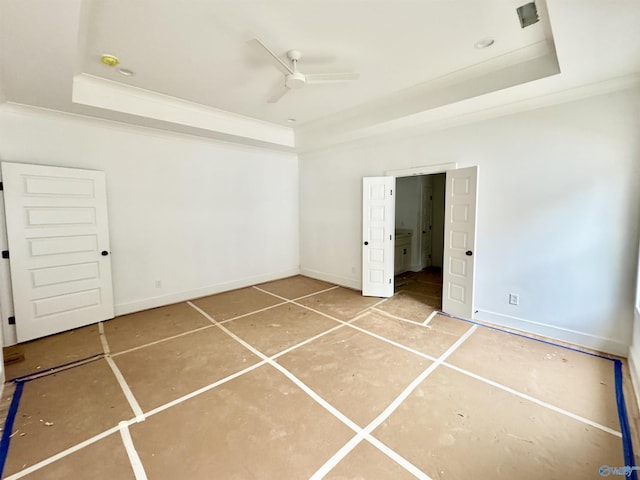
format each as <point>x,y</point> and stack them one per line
<point>295,80</point>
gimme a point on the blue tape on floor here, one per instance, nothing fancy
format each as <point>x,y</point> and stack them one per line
<point>527,337</point>
<point>629,459</point>
<point>627,445</point>
<point>8,425</point>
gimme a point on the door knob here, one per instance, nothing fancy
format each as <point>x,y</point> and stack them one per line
<point>468,253</point>
<point>104,253</point>
<point>366,243</point>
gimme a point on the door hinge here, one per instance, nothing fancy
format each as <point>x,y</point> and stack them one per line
<point>389,281</point>
<point>390,192</point>
<point>5,254</point>
<point>12,320</point>
<point>1,186</point>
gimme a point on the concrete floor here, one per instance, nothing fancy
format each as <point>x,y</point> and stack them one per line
<point>298,378</point>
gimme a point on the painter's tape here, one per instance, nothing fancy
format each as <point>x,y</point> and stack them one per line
<point>627,446</point>
<point>529,338</point>
<point>8,425</point>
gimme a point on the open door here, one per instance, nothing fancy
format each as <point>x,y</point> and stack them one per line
<point>58,237</point>
<point>378,225</point>
<point>459,243</point>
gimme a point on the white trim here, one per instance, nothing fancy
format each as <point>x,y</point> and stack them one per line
<point>153,302</point>
<point>499,103</point>
<point>156,130</point>
<point>423,170</point>
<point>355,283</point>
<point>634,372</point>
<point>118,97</point>
<point>9,336</point>
<point>601,344</point>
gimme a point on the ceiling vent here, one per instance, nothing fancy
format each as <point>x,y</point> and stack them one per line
<point>528,14</point>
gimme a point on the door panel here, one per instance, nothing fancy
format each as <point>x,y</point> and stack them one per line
<point>57,227</point>
<point>378,224</point>
<point>459,248</point>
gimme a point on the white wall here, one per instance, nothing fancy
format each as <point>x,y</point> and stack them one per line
<point>408,212</point>
<point>407,202</point>
<point>558,209</point>
<point>634,349</point>
<point>200,216</point>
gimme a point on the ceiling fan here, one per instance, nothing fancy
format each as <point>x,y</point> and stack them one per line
<point>293,79</point>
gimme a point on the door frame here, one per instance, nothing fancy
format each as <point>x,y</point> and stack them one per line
<point>8,335</point>
<point>429,170</point>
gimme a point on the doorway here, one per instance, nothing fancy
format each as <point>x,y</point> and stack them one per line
<point>419,237</point>
<point>378,239</point>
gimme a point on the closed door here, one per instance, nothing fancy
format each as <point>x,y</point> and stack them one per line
<point>459,244</point>
<point>378,225</point>
<point>57,229</point>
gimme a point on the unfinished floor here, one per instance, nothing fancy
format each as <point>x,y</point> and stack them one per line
<point>298,378</point>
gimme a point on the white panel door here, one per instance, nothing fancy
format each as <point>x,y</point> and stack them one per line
<point>459,243</point>
<point>58,237</point>
<point>378,225</point>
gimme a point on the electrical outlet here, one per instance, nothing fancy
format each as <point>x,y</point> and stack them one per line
<point>514,299</point>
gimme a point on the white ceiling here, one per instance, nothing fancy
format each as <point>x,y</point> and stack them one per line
<point>194,72</point>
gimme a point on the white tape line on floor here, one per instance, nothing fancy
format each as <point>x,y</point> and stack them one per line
<point>64,453</point>
<point>346,449</point>
<point>134,458</point>
<point>126,390</point>
<point>103,338</point>
<point>535,400</point>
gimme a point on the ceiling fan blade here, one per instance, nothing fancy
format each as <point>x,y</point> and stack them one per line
<point>278,95</point>
<point>331,77</point>
<point>267,53</point>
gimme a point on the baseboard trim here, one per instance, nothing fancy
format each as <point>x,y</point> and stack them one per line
<point>329,277</point>
<point>602,344</point>
<point>634,371</point>
<point>153,302</point>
